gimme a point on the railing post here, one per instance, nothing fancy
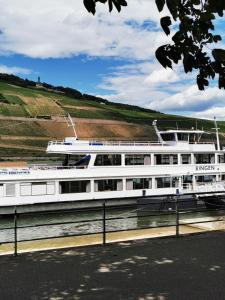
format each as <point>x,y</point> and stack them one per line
<point>104,224</point>
<point>177,213</point>
<point>15,232</point>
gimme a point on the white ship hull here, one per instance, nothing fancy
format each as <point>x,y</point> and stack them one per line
<point>119,170</point>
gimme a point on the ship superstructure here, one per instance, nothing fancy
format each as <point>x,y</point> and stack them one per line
<point>95,170</point>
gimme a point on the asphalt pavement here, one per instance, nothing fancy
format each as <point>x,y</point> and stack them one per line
<point>190,267</point>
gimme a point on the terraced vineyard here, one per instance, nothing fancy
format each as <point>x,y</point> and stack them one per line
<point>29,117</point>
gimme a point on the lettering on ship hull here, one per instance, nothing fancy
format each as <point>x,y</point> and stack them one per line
<point>205,168</point>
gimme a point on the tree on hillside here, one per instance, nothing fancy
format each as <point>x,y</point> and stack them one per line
<point>193,20</point>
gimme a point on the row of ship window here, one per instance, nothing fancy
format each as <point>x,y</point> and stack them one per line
<point>159,159</point>
<point>84,186</point>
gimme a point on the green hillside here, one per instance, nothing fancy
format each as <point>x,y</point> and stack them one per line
<point>27,114</point>
<point>33,102</point>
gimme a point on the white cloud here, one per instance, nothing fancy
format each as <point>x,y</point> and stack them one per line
<point>163,75</point>
<point>147,85</point>
<point>14,70</point>
<point>191,99</point>
<point>218,112</point>
<point>62,28</point>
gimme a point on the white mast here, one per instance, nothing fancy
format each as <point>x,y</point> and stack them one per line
<point>70,123</point>
<point>217,134</point>
<point>154,124</point>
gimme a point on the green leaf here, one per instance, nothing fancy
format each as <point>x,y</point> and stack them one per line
<point>165,23</point>
<point>160,4</point>
<point>90,6</point>
<point>173,7</point>
<point>110,5</point>
<point>217,38</point>
<point>162,57</point>
<point>219,54</point>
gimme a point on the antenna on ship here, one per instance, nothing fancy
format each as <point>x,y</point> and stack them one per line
<point>154,124</point>
<point>70,123</point>
<point>217,134</point>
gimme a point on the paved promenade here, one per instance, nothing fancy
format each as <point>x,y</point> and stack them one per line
<point>191,267</point>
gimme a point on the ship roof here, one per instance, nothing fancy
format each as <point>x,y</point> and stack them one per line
<point>183,131</point>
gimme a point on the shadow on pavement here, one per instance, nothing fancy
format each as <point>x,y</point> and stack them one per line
<point>191,267</point>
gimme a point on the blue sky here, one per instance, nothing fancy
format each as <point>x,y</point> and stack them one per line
<point>109,55</point>
<point>80,72</point>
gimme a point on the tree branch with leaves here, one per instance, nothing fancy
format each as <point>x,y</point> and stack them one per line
<point>193,21</point>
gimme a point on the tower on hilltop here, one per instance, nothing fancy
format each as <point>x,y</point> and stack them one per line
<point>38,83</point>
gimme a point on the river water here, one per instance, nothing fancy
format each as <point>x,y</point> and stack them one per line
<point>69,223</point>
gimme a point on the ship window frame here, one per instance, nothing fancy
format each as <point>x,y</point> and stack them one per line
<point>172,180</point>
<point>108,160</point>
<point>162,159</point>
<point>13,194</point>
<point>1,189</point>
<point>71,188</point>
<point>168,137</point>
<point>188,161</point>
<point>219,158</point>
<point>106,182</point>
<point>212,176</point>
<point>132,180</point>
<point>36,183</point>
<point>137,159</point>
<point>203,159</point>
<point>182,136</point>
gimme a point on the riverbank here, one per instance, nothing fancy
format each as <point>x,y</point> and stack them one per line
<point>97,239</point>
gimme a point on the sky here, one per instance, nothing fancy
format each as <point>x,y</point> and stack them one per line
<point>107,55</point>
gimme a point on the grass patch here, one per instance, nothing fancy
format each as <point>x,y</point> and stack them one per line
<point>13,99</point>
<point>12,110</point>
<point>19,128</point>
<point>34,143</point>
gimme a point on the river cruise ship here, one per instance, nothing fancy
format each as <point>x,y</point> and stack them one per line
<point>178,163</point>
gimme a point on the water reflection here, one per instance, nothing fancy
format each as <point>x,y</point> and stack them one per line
<point>85,221</point>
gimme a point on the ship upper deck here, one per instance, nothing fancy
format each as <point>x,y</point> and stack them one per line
<point>72,145</point>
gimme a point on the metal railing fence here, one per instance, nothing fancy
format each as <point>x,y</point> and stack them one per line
<point>104,219</point>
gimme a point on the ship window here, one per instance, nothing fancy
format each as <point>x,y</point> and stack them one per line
<point>187,179</point>
<point>204,158</point>
<point>25,189</point>
<point>166,159</point>
<point>185,159</point>
<point>108,185</point>
<point>108,160</point>
<point>166,182</point>
<point>50,188</point>
<point>10,189</point>
<point>81,186</point>
<point>168,136</point>
<point>206,178</point>
<point>37,188</point>
<point>182,136</point>
<point>223,177</point>
<point>76,160</point>
<point>137,159</point>
<point>138,183</point>
<point>221,158</point>
<point>1,190</point>
<point>192,138</point>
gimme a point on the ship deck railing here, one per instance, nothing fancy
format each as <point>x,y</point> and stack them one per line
<point>17,171</point>
<point>118,143</point>
<point>42,167</point>
<point>106,143</point>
